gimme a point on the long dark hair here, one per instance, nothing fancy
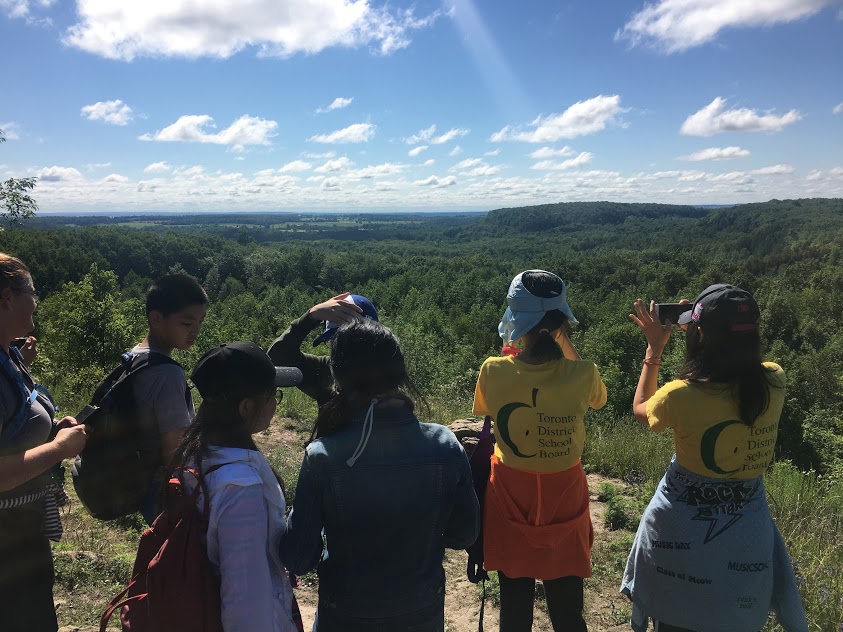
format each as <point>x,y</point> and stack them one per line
<point>543,345</point>
<point>217,422</point>
<point>729,358</point>
<point>366,363</point>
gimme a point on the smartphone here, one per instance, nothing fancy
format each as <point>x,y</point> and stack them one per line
<point>19,342</point>
<point>671,311</point>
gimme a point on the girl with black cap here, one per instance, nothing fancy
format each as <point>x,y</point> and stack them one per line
<point>387,492</point>
<point>536,515</point>
<point>238,385</point>
<point>707,555</point>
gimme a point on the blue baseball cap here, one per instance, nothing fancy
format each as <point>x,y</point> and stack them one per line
<point>362,302</point>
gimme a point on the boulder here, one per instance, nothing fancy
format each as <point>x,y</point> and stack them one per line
<point>468,432</point>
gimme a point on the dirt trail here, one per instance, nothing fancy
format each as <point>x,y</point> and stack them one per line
<point>606,610</point>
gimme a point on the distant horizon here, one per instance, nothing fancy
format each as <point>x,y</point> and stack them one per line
<point>334,212</point>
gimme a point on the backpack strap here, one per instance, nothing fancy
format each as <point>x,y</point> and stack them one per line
<point>14,369</point>
<point>130,363</point>
<point>200,487</point>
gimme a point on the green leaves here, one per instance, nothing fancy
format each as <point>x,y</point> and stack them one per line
<point>15,202</point>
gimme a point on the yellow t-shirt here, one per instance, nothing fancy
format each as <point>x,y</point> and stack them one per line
<point>538,409</point>
<point>710,440</point>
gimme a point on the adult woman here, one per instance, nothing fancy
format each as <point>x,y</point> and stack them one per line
<point>389,492</point>
<point>238,384</point>
<point>707,555</point>
<point>30,448</point>
<point>536,518</point>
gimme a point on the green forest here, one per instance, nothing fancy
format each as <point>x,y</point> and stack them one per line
<point>440,282</point>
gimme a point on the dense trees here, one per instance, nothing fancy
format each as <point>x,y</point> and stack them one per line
<point>442,288</point>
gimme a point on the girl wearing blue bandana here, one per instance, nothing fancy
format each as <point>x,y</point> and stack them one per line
<point>536,522</point>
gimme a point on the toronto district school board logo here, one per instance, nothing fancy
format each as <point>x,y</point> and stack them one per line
<point>502,423</point>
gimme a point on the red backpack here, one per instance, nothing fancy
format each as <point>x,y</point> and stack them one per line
<point>173,588</point>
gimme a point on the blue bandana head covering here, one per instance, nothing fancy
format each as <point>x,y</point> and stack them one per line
<point>526,310</point>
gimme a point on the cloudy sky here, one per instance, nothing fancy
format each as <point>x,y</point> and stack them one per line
<point>262,105</point>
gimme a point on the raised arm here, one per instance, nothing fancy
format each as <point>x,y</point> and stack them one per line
<point>286,349</point>
<point>657,336</point>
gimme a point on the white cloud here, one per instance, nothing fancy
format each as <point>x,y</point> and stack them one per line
<point>322,156</point>
<point>450,135</point>
<point>415,151</point>
<point>115,177</point>
<point>482,170</point>
<point>337,104</point>
<point>549,152</point>
<point>247,130</point>
<point>582,118</point>
<point>714,119</point>
<point>295,166</point>
<point>716,153</point>
<point>494,152</point>
<point>339,164</point>
<point>467,164</point>
<point>191,29</point>
<point>10,129</point>
<point>21,9</point>
<point>774,170</point>
<point>677,25</point>
<point>331,184</point>
<point>437,183</point>
<point>736,177</point>
<point>157,167</point>
<point>375,171</point>
<point>428,163</point>
<point>549,165</point>
<point>456,151</point>
<point>422,136</point>
<point>357,133</point>
<point>838,109</point>
<point>114,112</point>
<point>58,174</point>
<point>98,165</point>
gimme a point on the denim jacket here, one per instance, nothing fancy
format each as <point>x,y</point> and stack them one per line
<point>387,518</point>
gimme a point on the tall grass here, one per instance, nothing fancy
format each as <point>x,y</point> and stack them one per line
<point>808,511</point>
<point>624,449</point>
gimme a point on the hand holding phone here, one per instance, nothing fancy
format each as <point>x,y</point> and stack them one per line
<point>672,311</point>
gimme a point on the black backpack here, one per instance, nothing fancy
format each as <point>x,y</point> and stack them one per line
<point>113,473</point>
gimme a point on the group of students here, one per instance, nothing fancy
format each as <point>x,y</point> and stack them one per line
<point>381,494</point>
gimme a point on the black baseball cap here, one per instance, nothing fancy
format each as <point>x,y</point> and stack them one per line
<point>725,306</point>
<point>240,368</point>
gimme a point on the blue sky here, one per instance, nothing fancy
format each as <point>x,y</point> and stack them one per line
<point>348,105</point>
